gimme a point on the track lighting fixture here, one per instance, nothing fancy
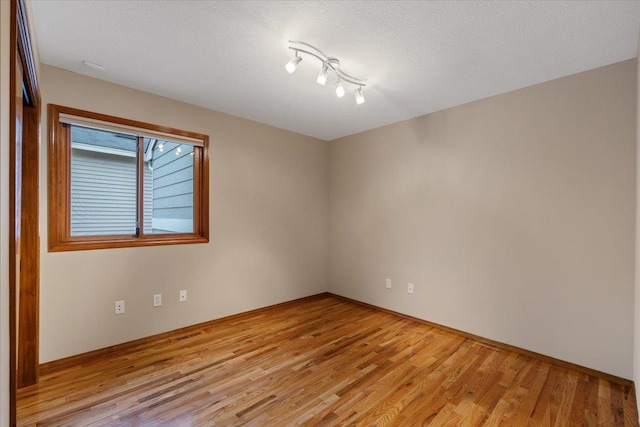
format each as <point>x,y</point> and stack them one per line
<point>293,64</point>
<point>329,64</point>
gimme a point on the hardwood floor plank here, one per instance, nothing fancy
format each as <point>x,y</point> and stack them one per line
<point>321,361</point>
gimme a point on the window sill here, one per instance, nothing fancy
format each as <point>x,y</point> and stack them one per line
<point>113,242</point>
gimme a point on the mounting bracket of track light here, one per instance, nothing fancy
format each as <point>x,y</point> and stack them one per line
<point>329,65</point>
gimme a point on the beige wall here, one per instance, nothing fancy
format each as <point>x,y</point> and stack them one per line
<point>513,216</point>
<point>269,228</point>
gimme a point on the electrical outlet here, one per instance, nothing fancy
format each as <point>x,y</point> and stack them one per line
<point>119,307</point>
<point>388,283</point>
<point>409,288</point>
<point>157,300</point>
<point>183,296</point>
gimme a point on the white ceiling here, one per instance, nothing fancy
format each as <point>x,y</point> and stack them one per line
<point>417,57</point>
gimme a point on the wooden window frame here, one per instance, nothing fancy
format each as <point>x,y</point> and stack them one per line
<point>59,187</point>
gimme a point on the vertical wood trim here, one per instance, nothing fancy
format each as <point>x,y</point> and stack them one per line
<point>197,190</point>
<point>13,106</point>
<point>28,301</point>
<point>30,76</point>
<point>204,190</point>
<point>58,181</point>
<point>22,73</point>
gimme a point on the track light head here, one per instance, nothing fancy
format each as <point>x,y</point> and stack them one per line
<point>293,64</point>
<point>359,96</point>
<point>322,77</point>
<point>339,89</point>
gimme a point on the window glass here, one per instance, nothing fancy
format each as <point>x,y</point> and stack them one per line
<point>103,182</point>
<point>168,194</point>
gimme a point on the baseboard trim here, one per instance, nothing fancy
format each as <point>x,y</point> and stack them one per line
<point>558,362</point>
<point>79,359</point>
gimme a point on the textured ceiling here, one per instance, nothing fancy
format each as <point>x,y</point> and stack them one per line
<point>417,57</point>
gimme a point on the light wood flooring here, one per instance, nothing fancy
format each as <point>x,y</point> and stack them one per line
<point>321,361</point>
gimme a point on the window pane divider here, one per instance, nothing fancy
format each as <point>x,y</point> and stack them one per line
<point>140,188</point>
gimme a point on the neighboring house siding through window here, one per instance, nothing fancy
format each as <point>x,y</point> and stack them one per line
<point>172,188</point>
<point>103,185</point>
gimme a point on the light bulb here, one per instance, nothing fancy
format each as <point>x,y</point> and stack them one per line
<point>161,147</point>
<point>339,89</point>
<point>322,77</point>
<point>293,64</point>
<point>359,96</point>
<point>178,151</point>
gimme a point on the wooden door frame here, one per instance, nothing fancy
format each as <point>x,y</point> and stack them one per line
<point>28,316</point>
<point>23,348</point>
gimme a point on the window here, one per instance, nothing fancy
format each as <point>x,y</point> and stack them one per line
<point>117,183</point>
